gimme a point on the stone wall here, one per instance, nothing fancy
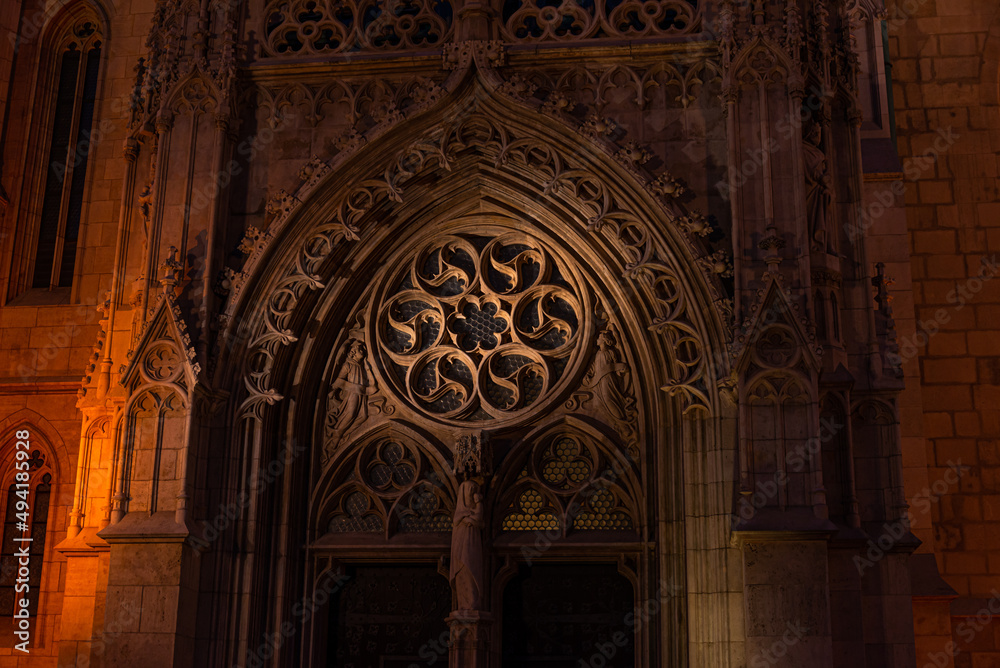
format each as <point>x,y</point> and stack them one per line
<point>945,64</point>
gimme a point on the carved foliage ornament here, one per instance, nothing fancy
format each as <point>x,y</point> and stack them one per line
<point>478,328</point>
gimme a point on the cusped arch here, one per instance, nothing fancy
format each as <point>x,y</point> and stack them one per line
<point>61,24</point>
<point>575,470</point>
<point>373,483</point>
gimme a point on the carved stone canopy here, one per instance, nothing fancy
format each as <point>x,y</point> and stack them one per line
<point>473,456</point>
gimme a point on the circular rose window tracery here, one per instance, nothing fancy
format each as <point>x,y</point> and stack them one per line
<point>479,327</point>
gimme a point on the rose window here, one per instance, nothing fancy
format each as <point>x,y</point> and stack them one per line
<point>477,328</point>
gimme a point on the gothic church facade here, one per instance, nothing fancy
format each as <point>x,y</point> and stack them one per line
<point>480,333</point>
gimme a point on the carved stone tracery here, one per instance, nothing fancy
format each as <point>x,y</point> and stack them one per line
<point>390,486</point>
<point>545,20</point>
<point>568,483</point>
<point>310,27</point>
<point>649,261</point>
<point>478,328</point>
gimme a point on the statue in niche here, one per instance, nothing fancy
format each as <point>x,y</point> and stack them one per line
<point>819,185</point>
<point>607,386</point>
<point>473,463</point>
<point>349,395</point>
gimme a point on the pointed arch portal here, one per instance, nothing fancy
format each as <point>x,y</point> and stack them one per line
<point>456,347</point>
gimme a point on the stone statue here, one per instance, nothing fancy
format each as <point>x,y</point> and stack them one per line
<point>819,186</point>
<point>466,572</point>
<point>610,379</point>
<point>607,386</point>
<point>349,394</point>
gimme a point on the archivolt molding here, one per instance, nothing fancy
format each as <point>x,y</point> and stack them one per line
<point>650,262</point>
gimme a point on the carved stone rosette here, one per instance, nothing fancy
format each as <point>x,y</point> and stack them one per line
<point>479,328</point>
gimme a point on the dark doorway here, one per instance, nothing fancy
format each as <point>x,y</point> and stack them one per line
<point>390,617</point>
<point>568,616</point>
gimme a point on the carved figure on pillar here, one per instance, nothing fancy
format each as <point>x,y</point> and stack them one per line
<point>466,572</point>
<point>472,463</point>
<point>819,186</point>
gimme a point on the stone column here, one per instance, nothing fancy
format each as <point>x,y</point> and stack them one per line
<point>470,635</point>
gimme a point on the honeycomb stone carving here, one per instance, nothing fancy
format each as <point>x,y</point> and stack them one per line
<point>479,327</point>
<point>568,484</point>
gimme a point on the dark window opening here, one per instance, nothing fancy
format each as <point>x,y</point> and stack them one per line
<point>567,615</point>
<point>66,172</point>
<point>14,529</point>
<point>389,616</point>
<point>48,230</point>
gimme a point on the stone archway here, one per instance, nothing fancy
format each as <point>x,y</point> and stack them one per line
<point>318,347</point>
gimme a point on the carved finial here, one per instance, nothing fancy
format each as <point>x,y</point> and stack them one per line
<point>885,323</point>
<point>474,456</point>
<point>727,35</point>
<point>793,29</point>
<point>771,244</point>
<point>170,270</point>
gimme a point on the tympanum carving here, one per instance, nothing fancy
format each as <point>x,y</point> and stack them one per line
<point>390,486</point>
<point>569,483</point>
